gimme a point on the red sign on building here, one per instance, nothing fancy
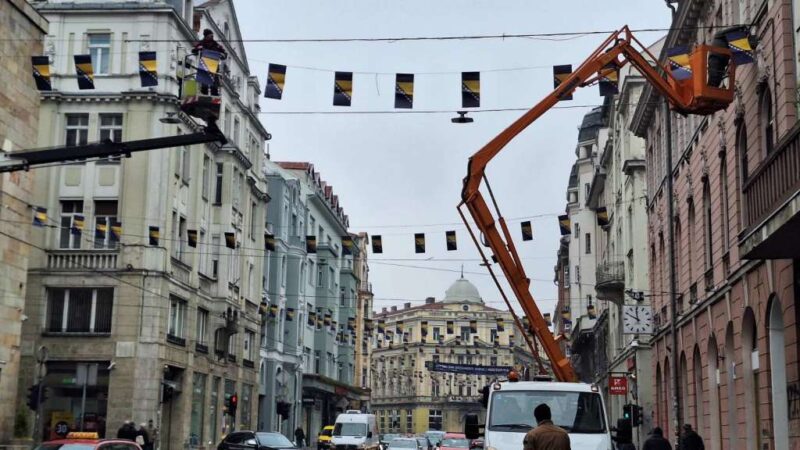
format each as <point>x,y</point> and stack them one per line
<point>618,385</point>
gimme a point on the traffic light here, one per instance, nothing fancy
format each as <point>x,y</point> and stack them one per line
<point>231,403</point>
<point>33,397</point>
<point>638,415</point>
<point>167,393</point>
<point>627,411</point>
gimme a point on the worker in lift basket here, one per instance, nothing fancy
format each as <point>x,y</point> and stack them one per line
<point>208,43</point>
<point>546,435</point>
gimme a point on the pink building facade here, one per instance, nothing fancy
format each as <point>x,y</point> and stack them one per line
<point>736,176</point>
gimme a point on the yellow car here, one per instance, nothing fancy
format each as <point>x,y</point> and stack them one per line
<point>324,438</point>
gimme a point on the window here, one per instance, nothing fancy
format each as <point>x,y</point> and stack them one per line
<point>202,326</point>
<point>312,223</point>
<point>253,214</point>
<point>766,120</point>
<point>237,187</point>
<point>465,334</point>
<point>435,418</point>
<point>316,362</point>
<point>311,273</point>
<point>707,219</point>
<point>577,230</point>
<point>236,130</point>
<point>741,150</point>
<point>331,275</point>
<point>100,51</point>
<point>105,215</point>
<point>320,271</point>
<point>724,202</point>
<point>111,127</point>
<point>177,317</point>
<point>492,335</point>
<point>493,361</point>
<point>179,237</point>
<point>215,255</point>
<point>249,350</point>
<point>284,270</point>
<point>588,249</point>
<point>70,236</point>
<point>218,185</point>
<point>437,334</point>
<point>186,164</point>
<point>77,130</point>
<point>84,310</point>
<point>409,420</point>
<point>204,182</point>
<point>587,188</point>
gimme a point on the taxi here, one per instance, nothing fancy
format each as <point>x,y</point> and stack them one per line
<point>324,437</point>
<point>82,440</point>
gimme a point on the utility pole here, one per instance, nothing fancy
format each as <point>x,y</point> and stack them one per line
<point>673,294</point>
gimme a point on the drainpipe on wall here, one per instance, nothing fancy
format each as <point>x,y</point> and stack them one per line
<point>673,294</point>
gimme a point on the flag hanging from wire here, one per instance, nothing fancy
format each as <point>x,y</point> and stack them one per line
<point>311,244</point>
<point>276,77</point>
<point>116,230</point>
<point>41,72</point>
<point>154,234</point>
<point>39,216</point>
<point>741,47</point>
<point>424,328</point>
<point>230,239</point>
<point>148,73</point>
<point>351,323</point>
<point>312,318</point>
<point>100,231</point>
<point>527,230</point>
<point>500,325</point>
<point>343,88</point>
<point>290,314</point>
<point>273,311</point>
<point>470,89</point>
<point>85,72</point>
<point>404,91</point>
<point>451,240</point>
<point>560,75</point>
<point>377,244</point>
<point>591,311</point>
<point>381,326</point>
<point>191,237</point>
<point>565,224</point>
<point>450,327</point>
<point>78,222</point>
<point>208,67</point>
<point>609,80</point>
<point>679,66</point>
<point>327,319</point>
<point>347,245</point>
<point>566,314</point>
<point>269,242</point>
<point>547,319</point>
<point>473,326</point>
<point>602,216</point>
<point>419,242</point>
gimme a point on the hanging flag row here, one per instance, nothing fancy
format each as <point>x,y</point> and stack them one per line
<point>207,69</point>
<point>102,231</point>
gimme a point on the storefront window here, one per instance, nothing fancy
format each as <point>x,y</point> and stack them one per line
<point>227,420</point>
<point>247,392</point>
<point>77,398</point>
<point>198,400</point>
<point>212,417</point>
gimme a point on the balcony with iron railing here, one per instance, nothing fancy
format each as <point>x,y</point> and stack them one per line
<point>610,280</point>
<point>771,197</point>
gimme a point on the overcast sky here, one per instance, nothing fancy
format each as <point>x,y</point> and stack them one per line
<point>400,174</point>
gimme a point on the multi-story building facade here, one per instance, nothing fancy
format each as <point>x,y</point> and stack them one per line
<point>407,397</point>
<point>328,300</point>
<point>147,291</point>
<point>19,114</point>
<point>364,314</point>
<point>619,194</point>
<point>734,370</point>
<point>578,310</point>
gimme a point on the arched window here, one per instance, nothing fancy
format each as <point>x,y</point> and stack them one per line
<point>659,418</point>
<point>683,388</point>
<point>713,395</point>
<point>724,202</point>
<point>666,416</point>
<point>777,363</point>
<point>709,230</point>
<point>766,120</point>
<point>690,238</point>
<point>750,366</point>
<point>699,397</point>
<point>679,253</point>
<point>730,385</point>
<point>741,151</point>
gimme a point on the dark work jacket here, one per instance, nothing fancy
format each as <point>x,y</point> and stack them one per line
<point>692,441</point>
<point>656,443</point>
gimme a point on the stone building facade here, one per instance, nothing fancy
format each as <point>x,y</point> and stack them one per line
<point>19,114</point>
<point>737,272</point>
<point>138,330</point>
<point>364,314</point>
<point>407,397</point>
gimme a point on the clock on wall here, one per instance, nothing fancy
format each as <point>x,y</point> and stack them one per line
<point>637,319</point>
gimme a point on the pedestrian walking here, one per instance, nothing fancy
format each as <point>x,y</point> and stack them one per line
<point>300,437</point>
<point>145,438</point>
<point>546,435</point>
<point>690,440</point>
<point>127,431</point>
<point>656,441</point>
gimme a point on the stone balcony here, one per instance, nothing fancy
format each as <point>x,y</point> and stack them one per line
<point>771,197</point>
<point>610,280</point>
<point>82,259</point>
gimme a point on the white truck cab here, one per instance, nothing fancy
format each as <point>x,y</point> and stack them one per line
<point>355,430</point>
<point>578,408</point>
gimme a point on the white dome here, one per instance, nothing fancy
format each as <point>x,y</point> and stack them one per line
<point>462,291</point>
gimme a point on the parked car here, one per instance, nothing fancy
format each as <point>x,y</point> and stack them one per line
<point>435,436</point>
<point>324,437</point>
<point>386,438</point>
<point>425,442</point>
<point>354,429</point>
<point>454,441</point>
<point>404,443</point>
<point>87,441</point>
<point>252,440</point>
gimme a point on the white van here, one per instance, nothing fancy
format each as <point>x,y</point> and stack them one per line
<point>355,430</point>
<point>576,407</point>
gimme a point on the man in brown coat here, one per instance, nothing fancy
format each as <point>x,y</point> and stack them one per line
<point>546,435</point>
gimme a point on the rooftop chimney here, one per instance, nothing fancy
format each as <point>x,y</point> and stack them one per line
<point>430,300</point>
<point>394,308</point>
<point>406,305</point>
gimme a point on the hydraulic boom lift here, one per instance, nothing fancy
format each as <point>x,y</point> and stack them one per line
<point>708,89</point>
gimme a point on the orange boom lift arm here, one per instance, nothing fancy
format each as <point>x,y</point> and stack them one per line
<point>700,93</point>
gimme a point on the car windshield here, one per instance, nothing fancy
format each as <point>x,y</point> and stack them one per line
<point>273,440</point>
<point>350,429</point>
<point>75,446</point>
<point>326,432</point>
<point>455,443</point>
<point>403,443</point>
<point>434,437</point>
<point>576,412</point>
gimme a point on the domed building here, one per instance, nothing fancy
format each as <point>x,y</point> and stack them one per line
<point>410,391</point>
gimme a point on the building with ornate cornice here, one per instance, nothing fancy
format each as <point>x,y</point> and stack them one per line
<point>408,397</point>
<point>139,330</point>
